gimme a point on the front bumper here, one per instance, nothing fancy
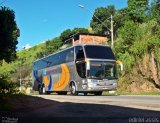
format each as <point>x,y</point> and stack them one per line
<point>102,88</point>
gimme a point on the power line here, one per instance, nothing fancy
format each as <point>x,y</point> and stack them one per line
<point>3,2</point>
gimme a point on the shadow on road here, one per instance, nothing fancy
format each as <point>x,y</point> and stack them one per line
<point>29,109</point>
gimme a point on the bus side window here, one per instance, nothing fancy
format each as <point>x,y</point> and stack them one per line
<point>69,57</point>
<point>79,53</point>
<point>80,64</point>
<point>81,69</point>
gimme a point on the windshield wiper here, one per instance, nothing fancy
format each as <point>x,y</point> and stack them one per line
<point>94,77</point>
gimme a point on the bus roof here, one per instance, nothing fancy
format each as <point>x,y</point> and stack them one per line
<point>70,48</point>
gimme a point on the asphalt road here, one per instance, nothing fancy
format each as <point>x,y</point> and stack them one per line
<point>95,109</point>
<point>140,102</point>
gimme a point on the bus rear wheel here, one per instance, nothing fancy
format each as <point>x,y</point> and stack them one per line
<point>99,93</point>
<point>73,89</point>
<point>41,89</point>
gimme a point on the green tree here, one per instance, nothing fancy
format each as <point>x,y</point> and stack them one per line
<point>9,33</point>
<point>65,35</point>
<point>103,14</point>
<point>125,40</point>
<point>155,10</point>
<point>137,10</point>
<point>50,46</point>
<point>80,30</point>
<point>53,45</point>
<point>119,19</point>
<point>126,36</point>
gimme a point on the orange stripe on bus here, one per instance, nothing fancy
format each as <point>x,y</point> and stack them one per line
<point>64,79</point>
<point>46,80</point>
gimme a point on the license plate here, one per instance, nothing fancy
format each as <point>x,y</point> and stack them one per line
<point>101,83</point>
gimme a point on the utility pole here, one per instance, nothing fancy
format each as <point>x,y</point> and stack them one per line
<point>2,2</point>
<point>20,75</point>
<point>20,80</point>
<point>112,40</point>
<point>111,30</point>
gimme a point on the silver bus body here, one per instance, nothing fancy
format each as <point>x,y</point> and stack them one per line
<point>78,66</point>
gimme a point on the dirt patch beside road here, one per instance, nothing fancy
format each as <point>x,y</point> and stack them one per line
<point>25,103</point>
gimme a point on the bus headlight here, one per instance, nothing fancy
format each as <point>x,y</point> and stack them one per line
<point>84,82</point>
<point>84,86</point>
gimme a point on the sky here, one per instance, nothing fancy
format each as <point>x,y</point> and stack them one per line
<point>42,20</point>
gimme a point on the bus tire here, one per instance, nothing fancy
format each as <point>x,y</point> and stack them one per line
<point>73,89</point>
<point>98,93</point>
<point>41,89</point>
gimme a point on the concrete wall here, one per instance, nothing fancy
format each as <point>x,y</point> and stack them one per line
<point>91,39</point>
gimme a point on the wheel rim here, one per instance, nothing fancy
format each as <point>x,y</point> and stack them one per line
<point>40,90</point>
<point>73,90</point>
<point>43,90</point>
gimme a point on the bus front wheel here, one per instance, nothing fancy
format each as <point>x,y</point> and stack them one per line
<point>73,89</point>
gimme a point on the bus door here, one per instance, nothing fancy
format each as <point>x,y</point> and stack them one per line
<point>80,61</point>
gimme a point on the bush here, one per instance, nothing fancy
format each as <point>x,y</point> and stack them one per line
<point>7,87</point>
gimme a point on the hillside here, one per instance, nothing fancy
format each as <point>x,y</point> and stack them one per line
<point>136,44</point>
<point>140,56</point>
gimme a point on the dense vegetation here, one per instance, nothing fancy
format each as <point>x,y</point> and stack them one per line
<point>9,33</point>
<point>137,45</point>
<point>137,42</point>
<point>21,67</point>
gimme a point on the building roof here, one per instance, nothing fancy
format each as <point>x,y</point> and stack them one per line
<point>76,36</point>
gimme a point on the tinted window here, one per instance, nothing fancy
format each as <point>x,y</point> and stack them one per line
<point>40,64</point>
<point>102,70</point>
<point>69,55</point>
<point>55,59</point>
<point>81,69</point>
<point>79,53</point>
<point>99,52</point>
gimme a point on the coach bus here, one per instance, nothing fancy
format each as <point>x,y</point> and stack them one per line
<point>78,69</point>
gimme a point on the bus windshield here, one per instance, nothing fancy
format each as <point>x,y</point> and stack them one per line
<point>99,52</point>
<point>102,70</point>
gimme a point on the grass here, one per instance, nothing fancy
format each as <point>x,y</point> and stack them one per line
<point>105,93</point>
